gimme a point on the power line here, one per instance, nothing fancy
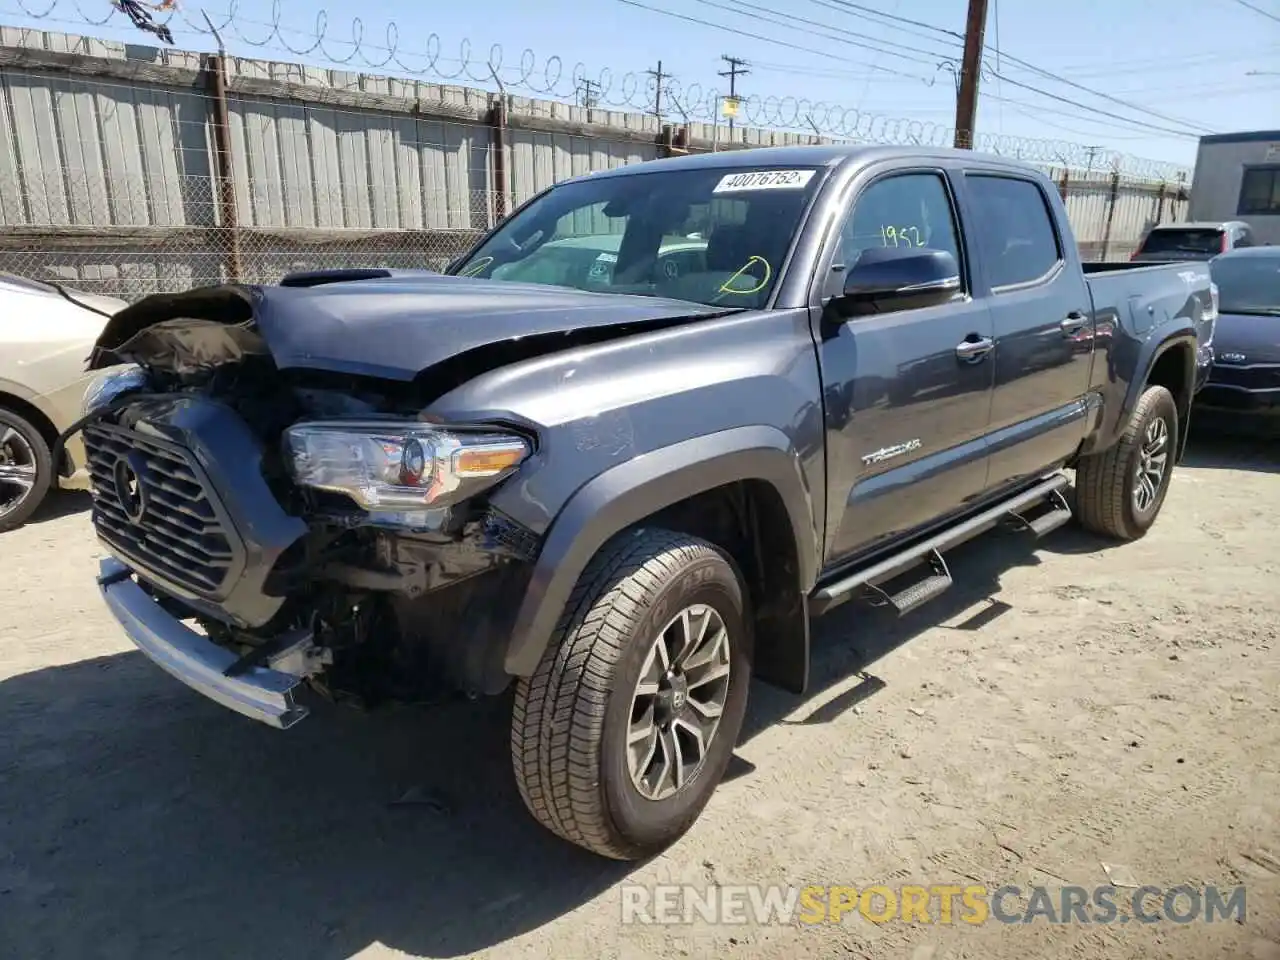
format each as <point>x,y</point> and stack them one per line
<point>1137,107</point>
<point>774,41</point>
<point>1259,10</point>
<point>846,5</point>
<point>1085,106</point>
<point>1167,65</point>
<point>1208,89</point>
<point>1085,118</point>
<point>1036,112</point>
<point>803,70</point>
<point>766,14</point>
<point>842,58</point>
<point>1049,75</point>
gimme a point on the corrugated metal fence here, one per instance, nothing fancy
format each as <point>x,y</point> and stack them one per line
<point>130,170</point>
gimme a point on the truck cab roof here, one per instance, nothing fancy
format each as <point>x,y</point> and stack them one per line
<point>825,155</point>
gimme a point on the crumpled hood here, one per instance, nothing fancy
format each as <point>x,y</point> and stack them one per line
<point>1255,338</point>
<point>392,327</point>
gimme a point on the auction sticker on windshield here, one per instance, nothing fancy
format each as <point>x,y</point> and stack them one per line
<point>764,180</point>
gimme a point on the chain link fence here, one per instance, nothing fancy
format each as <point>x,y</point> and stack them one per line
<point>129,178</point>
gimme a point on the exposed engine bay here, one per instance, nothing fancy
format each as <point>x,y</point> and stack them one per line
<point>370,596</point>
<point>264,466</point>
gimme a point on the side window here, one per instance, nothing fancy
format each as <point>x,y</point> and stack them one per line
<point>902,210</point>
<point>1014,228</point>
<point>1244,237</point>
<point>1259,191</point>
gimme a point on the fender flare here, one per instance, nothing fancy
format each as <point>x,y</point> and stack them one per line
<point>1119,401</point>
<point>1150,355</point>
<point>627,493</point>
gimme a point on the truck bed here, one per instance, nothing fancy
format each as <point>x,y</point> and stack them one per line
<point>1095,267</point>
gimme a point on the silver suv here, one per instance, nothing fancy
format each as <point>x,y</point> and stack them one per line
<point>1193,241</point>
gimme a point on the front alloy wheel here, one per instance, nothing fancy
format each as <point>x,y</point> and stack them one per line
<point>626,727</point>
<point>678,702</point>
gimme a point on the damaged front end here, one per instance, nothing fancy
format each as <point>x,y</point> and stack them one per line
<point>272,527</point>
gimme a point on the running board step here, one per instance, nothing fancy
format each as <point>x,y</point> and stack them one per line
<point>1016,508</point>
<point>1057,514</point>
<point>918,593</point>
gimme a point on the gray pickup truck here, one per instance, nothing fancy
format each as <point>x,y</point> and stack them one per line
<point>623,449</point>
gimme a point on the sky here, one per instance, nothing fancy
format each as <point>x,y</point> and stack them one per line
<point>1133,76</point>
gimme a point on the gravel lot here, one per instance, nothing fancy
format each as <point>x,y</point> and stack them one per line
<point>1066,704</point>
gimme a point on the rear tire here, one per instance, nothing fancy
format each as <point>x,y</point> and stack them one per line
<point>592,727</point>
<point>1119,492</point>
<point>24,454</point>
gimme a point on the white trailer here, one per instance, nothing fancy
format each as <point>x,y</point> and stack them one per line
<point>1237,177</point>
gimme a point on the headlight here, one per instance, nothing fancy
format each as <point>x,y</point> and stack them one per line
<point>1215,298</point>
<point>394,465</point>
<point>110,385</point>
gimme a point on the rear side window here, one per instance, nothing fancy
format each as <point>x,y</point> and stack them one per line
<point>1015,229</point>
<point>1197,240</point>
<point>1260,191</point>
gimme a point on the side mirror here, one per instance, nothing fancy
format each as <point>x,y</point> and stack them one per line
<point>899,278</point>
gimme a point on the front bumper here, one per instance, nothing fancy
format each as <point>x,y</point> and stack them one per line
<point>259,693</point>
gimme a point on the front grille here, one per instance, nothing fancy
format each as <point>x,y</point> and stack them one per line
<point>151,506</point>
<point>1257,377</point>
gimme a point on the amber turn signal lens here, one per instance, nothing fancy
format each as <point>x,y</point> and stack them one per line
<point>488,460</point>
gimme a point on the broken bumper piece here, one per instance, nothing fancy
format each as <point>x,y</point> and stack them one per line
<point>259,693</point>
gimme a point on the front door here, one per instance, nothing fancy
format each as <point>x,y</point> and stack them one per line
<point>1044,325</point>
<point>907,393</point>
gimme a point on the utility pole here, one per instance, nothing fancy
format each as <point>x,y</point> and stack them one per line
<point>586,93</point>
<point>967,98</point>
<point>1093,152</point>
<point>736,69</point>
<point>658,77</point>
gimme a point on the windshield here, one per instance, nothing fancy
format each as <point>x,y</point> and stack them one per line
<point>1184,241</point>
<point>716,236</point>
<point>1247,284</point>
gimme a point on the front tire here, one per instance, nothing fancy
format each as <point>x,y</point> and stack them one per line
<point>626,727</point>
<point>1120,491</point>
<point>26,469</point>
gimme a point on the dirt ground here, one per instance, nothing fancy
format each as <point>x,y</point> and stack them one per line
<point>1066,704</point>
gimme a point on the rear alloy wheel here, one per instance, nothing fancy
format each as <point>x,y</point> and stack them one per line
<point>1153,462</point>
<point>26,469</point>
<point>1119,492</point>
<point>626,727</point>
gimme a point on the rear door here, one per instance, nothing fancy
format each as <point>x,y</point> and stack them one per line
<point>906,405</point>
<point>1043,319</point>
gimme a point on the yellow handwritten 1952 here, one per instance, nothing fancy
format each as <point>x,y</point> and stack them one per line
<point>892,236</point>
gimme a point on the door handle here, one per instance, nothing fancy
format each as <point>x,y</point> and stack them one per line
<point>1073,322</point>
<point>971,351</point>
<point>974,350</point>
